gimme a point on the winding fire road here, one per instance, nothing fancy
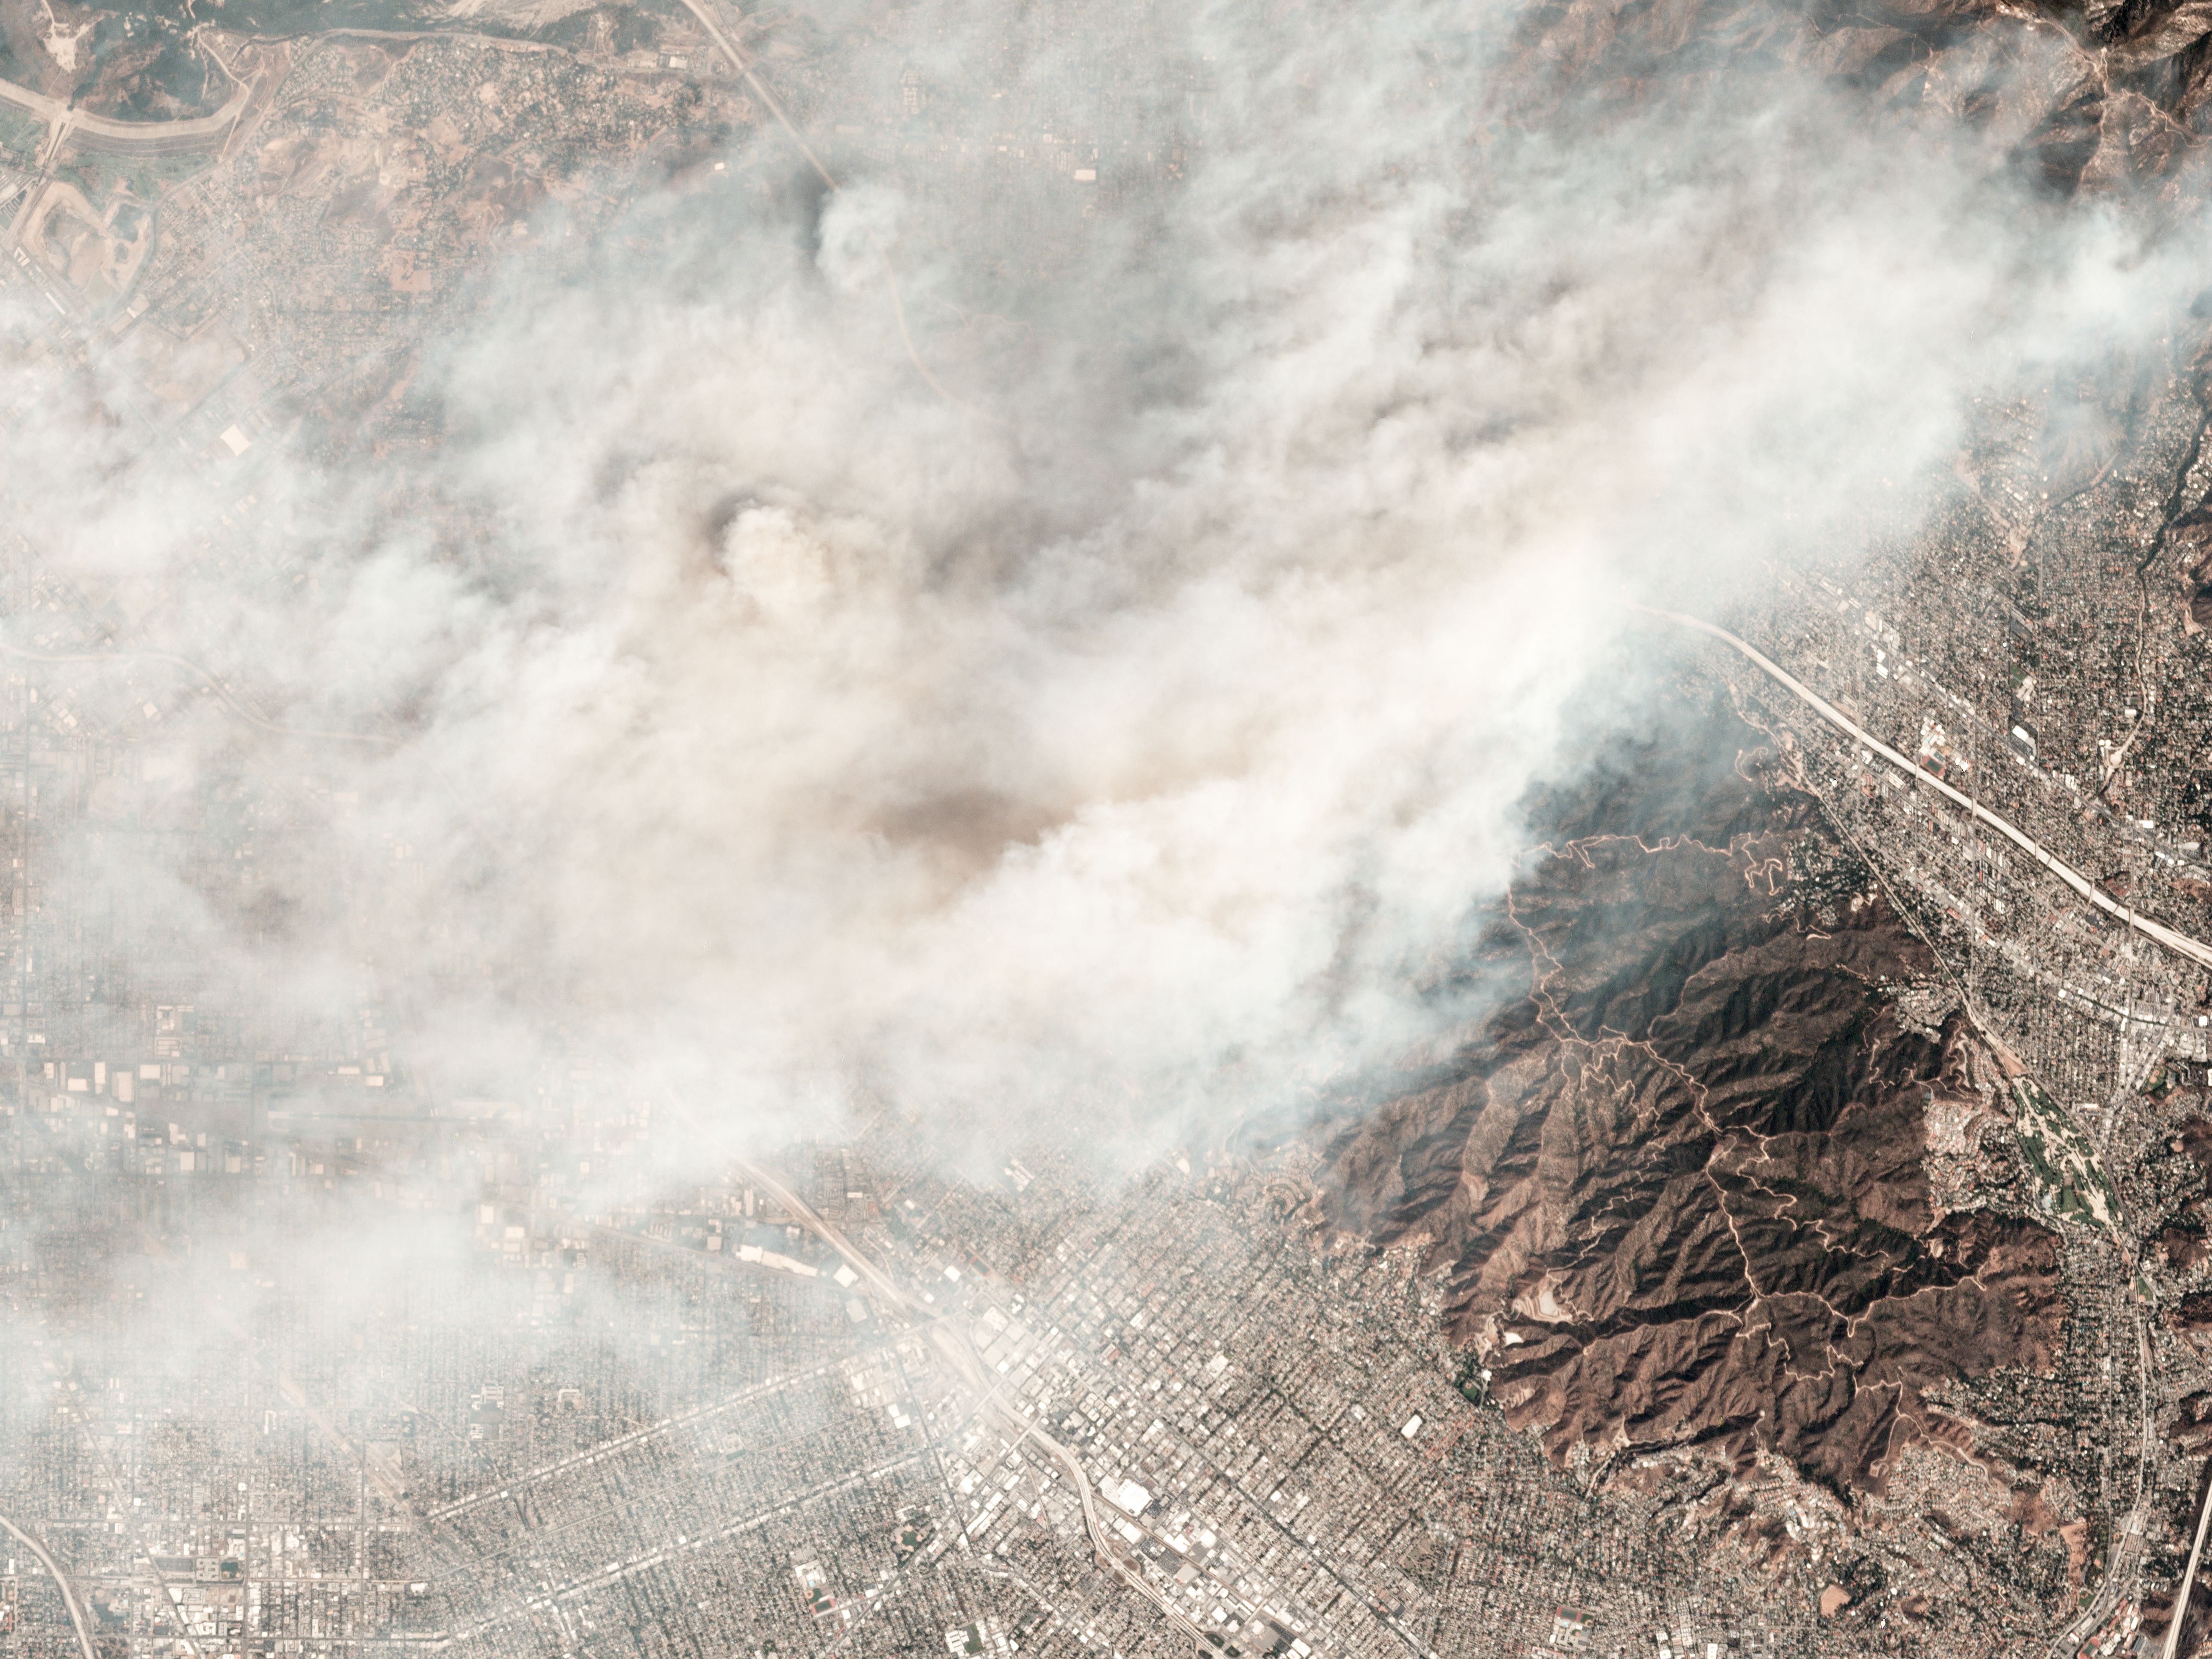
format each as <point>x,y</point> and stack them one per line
<point>2180,942</point>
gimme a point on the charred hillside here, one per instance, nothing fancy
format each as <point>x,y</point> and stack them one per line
<point>1677,1186</point>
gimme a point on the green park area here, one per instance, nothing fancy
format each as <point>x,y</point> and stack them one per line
<point>2071,1181</point>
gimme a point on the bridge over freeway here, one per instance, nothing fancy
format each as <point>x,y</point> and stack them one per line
<point>87,132</point>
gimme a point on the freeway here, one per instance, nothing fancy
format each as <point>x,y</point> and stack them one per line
<point>61,1583</point>
<point>123,137</point>
<point>2180,942</point>
<point>742,63</point>
<point>961,1354</point>
<point>2188,1580</point>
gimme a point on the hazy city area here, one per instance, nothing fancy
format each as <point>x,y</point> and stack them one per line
<point>1077,830</point>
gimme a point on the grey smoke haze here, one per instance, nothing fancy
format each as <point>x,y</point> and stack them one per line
<point>1127,734</point>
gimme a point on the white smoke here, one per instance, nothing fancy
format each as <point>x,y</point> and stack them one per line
<point>1129,728</point>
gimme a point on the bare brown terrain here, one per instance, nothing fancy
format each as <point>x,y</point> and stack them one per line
<point>1676,1184</point>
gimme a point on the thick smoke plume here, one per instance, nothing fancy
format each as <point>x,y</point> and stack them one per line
<point>1121,720</point>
